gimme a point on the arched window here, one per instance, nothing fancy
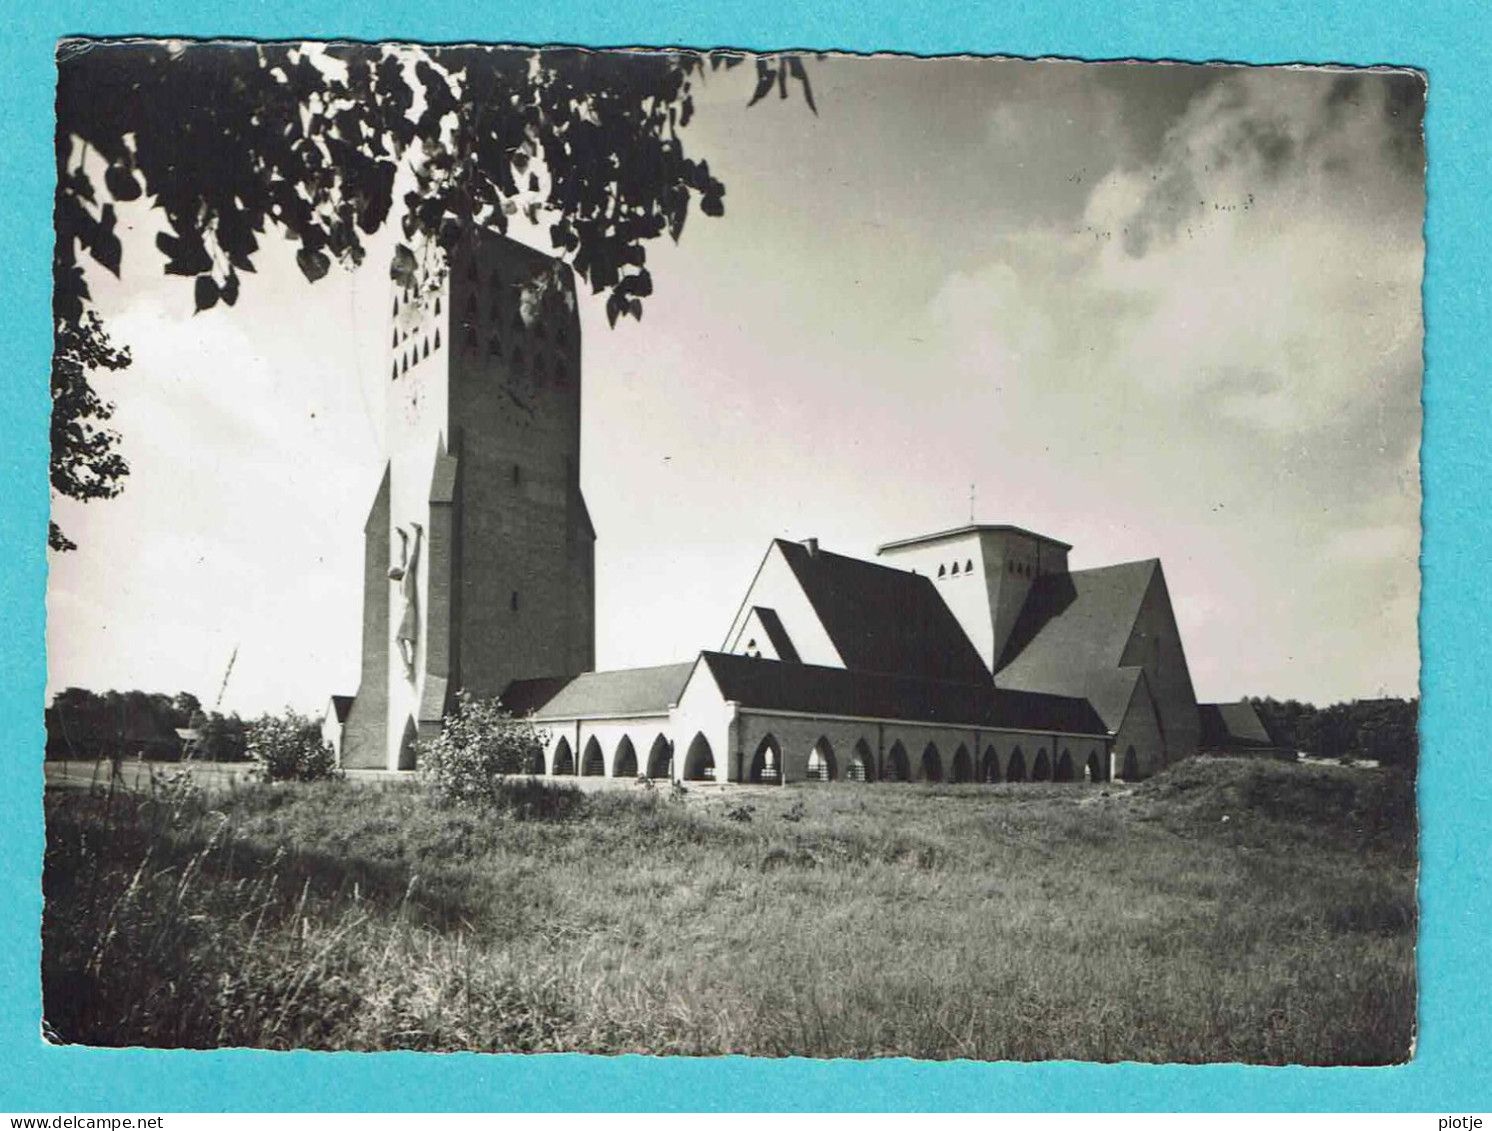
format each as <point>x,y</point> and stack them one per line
<point>564,759</point>
<point>989,770</point>
<point>821,765</point>
<point>1041,769</point>
<point>955,569</point>
<point>427,349</point>
<point>437,309</point>
<point>1063,771</point>
<point>963,765</point>
<point>437,337</point>
<point>409,745</point>
<point>1015,770</point>
<point>942,571</point>
<point>396,369</point>
<point>1093,771</point>
<point>660,758</point>
<point>699,762</point>
<point>898,767</point>
<point>593,765</point>
<point>533,760</point>
<point>766,763</point>
<point>624,761</point>
<point>862,765</point>
<point>932,763</point>
<point>969,566</point>
<point>396,337</point>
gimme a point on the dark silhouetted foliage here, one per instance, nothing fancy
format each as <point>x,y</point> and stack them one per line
<point>231,141</point>
<point>1385,730</point>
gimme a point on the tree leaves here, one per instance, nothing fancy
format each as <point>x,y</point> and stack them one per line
<point>313,264</point>
<point>799,72</point>
<point>229,141</point>
<point>119,179</point>
<point>185,255</point>
<point>206,293</point>
<point>85,462</point>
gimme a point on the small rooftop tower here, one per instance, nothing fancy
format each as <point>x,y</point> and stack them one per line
<point>983,573</point>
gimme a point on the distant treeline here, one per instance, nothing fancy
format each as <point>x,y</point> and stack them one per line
<point>1385,730</point>
<point>128,724</point>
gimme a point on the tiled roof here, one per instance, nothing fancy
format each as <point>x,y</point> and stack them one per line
<point>882,619</point>
<point>1071,634</point>
<point>817,690</point>
<point>630,691</point>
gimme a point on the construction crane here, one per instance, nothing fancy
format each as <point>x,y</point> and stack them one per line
<point>191,736</point>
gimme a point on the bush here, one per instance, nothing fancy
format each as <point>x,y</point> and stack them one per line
<point>289,747</point>
<point>478,747</point>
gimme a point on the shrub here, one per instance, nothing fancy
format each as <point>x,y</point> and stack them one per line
<point>478,747</point>
<point>289,747</point>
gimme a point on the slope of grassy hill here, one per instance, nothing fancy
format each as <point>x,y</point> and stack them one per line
<point>1225,910</point>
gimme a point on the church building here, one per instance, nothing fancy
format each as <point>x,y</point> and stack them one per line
<point>967,655</point>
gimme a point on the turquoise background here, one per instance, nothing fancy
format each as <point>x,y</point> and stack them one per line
<point>1449,1070</point>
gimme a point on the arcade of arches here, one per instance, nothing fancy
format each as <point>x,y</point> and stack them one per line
<point>784,754</point>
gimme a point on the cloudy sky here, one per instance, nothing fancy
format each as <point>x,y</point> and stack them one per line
<point>1154,311</point>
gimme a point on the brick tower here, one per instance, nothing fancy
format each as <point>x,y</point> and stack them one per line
<point>478,550</point>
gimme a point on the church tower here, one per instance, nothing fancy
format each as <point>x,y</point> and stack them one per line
<point>984,573</point>
<point>478,549</point>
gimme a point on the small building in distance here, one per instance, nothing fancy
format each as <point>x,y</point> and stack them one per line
<point>1236,730</point>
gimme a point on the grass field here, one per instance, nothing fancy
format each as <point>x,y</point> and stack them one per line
<point>1222,911</point>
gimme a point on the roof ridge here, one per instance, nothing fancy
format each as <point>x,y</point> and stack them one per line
<point>990,685</point>
<point>821,553</point>
<point>620,671</point>
<point>1112,565</point>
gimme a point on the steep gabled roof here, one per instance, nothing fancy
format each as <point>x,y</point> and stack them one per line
<point>1110,692</point>
<point>883,619</point>
<point>630,691</point>
<point>1071,633</point>
<point>1232,724</point>
<point>817,690</point>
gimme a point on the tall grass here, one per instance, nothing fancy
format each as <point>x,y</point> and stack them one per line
<point>1013,922</point>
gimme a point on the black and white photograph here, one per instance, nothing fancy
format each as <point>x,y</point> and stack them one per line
<point>709,553</point>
